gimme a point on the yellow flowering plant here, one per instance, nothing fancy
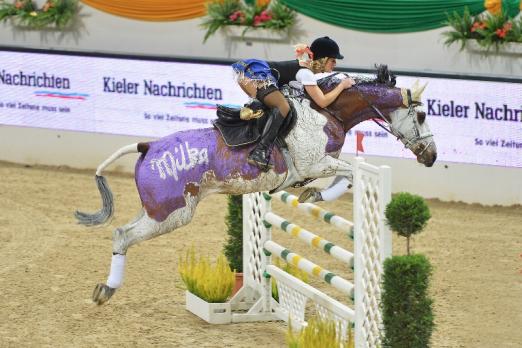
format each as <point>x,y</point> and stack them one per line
<point>212,283</point>
<point>290,269</point>
<point>54,13</point>
<point>319,333</point>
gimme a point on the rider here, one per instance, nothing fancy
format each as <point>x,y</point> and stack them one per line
<point>326,52</point>
<point>260,79</point>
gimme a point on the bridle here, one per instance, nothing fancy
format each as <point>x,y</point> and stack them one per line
<point>409,143</point>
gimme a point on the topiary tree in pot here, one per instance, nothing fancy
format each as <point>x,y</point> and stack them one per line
<point>234,247</point>
<point>234,222</point>
<point>406,306</point>
<point>407,215</point>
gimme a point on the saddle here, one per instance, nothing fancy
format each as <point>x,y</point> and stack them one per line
<point>238,132</point>
<point>239,127</point>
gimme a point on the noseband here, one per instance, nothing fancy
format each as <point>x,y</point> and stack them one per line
<point>408,142</point>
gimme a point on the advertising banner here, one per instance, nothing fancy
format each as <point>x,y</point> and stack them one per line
<point>473,121</point>
<point>110,95</point>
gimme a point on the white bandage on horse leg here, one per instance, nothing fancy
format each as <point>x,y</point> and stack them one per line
<point>336,190</point>
<point>115,278</point>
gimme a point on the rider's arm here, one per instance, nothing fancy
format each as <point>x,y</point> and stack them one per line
<point>323,100</point>
<point>307,78</point>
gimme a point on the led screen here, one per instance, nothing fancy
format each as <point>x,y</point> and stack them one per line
<point>473,121</point>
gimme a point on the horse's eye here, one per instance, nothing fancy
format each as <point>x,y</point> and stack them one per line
<point>421,116</point>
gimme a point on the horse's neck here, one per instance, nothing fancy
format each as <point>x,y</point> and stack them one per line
<point>353,106</point>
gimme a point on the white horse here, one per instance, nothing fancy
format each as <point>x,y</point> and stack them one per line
<point>174,173</point>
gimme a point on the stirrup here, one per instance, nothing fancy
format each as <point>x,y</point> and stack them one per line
<point>264,166</point>
<point>260,159</point>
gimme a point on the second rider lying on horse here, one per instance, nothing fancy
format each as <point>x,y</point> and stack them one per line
<point>261,80</point>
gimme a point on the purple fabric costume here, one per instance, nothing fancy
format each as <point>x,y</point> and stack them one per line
<point>176,165</point>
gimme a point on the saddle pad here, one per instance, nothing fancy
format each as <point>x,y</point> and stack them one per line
<point>234,130</point>
<point>237,132</point>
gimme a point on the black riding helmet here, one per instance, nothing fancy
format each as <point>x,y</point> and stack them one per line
<point>325,47</point>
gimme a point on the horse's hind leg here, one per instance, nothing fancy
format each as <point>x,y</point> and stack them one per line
<point>143,228</point>
<point>103,292</point>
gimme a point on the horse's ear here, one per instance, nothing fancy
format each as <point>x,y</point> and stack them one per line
<point>415,85</point>
<point>417,91</point>
<point>404,93</point>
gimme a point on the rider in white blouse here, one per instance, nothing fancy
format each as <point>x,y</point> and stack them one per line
<point>325,54</point>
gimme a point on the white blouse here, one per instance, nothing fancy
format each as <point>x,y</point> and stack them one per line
<point>307,78</point>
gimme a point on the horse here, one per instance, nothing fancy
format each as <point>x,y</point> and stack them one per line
<point>177,171</point>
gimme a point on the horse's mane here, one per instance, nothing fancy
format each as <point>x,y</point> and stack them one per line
<point>383,76</point>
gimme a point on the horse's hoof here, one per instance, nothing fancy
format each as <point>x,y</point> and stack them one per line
<point>102,293</point>
<point>308,196</point>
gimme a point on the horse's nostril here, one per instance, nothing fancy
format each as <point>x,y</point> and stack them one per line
<point>431,160</point>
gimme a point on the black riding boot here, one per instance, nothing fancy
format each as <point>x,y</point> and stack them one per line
<point>260,156</point>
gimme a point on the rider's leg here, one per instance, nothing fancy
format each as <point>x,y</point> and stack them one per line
<point>273,98</point>
<point>248,87</point>
<point>278,104</point>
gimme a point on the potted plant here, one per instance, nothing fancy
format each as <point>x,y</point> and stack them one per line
<point>486,30</point>
<point>271,15</point>
<point>406,306</point>
<point>54,13</point>
<point>208,287</point>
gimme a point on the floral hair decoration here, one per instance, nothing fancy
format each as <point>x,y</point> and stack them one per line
<point>303,52</point>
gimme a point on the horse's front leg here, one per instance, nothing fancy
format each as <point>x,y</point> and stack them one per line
<point>330,166</point>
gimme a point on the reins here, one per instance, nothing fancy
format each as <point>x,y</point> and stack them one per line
<point>408,143</point>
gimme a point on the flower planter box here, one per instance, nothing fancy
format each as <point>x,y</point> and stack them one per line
<point>510,48</point>
<point>255,34</point>
<point>212,313</point>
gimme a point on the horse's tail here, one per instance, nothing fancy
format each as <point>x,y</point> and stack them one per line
<point>107,210</point>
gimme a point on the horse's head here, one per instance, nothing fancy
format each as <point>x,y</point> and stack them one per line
<point>409,125</point>
<point>407,121</point>
<point>399,108</point>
